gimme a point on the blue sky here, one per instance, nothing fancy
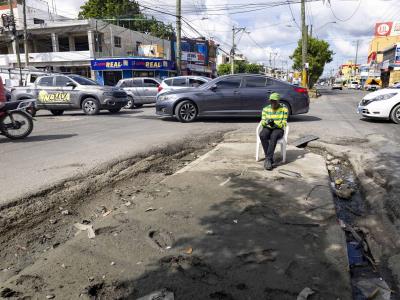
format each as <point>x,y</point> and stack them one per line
<point>274,31</point>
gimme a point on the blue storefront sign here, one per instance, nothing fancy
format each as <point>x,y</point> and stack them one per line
<point>109,70</point>
<point>131,64</point>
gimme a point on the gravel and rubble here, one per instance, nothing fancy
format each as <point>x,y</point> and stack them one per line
<point>368,204</point>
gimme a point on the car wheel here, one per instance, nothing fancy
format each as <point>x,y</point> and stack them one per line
<point>130,103</point>
<point>186,111</point>
<point>57,112</point>
<point>115,110</point>
<point>137,105</point>
<point>288,107</point>
<point>395,114</point>
<point>90,106</point>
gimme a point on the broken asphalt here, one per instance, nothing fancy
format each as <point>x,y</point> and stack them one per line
<point>220,228</point>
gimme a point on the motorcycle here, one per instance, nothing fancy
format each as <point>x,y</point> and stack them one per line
<point>15,121</point>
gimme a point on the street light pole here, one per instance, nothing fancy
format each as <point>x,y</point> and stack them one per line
<point>16,40</point>
<point>304,34</point>
<point>355,62</point>
<point>232,56</point>
<point>25,35</point>
<point>178,37</point>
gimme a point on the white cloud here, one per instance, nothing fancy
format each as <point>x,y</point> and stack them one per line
<point>269,27</point>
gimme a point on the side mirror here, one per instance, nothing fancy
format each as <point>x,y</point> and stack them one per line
<point>213,87</point>
<point>71,84</point>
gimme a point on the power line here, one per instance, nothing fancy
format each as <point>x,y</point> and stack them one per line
<point>293,18</point>
<point>351,16</point>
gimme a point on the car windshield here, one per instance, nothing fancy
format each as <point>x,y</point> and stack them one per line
<point>83,80</point>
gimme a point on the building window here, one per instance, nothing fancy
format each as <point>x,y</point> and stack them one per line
<point>38,21</point>
<point>117,41</point>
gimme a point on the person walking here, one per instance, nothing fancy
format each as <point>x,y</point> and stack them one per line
<point>273,120</point>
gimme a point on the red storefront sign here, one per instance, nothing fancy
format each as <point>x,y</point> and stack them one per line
<point>383,29</point>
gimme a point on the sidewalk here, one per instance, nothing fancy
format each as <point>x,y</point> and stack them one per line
<point>221,228</point>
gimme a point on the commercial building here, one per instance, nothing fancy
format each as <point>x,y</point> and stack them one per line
<point>57,44</point>
<point>386,35</point>
<point>390,66</point>
<point>349,71</point>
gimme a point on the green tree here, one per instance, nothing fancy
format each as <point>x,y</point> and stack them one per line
<point>253,68</point>
<point>239,67</point>
<point>318,55</point>
<point>120,9</point>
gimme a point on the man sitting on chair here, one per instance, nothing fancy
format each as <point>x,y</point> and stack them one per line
<point>273,120</point>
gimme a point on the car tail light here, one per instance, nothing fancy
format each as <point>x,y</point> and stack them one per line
<point>159,88</point>
<point>301,90</point>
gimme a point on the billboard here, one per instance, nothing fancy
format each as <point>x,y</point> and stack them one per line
<point>397,55</point>
<point>194,52</point>
<point>387,29</point>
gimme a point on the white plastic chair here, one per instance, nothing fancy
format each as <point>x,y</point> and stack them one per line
<point>282,141</point>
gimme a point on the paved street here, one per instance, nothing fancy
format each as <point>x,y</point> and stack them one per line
<point>61,147</point>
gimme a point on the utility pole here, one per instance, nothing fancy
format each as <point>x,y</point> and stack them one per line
<point>25,36</point>
<point>304,34</point>
<point>232,56</point>
<point>178,37</point>
<point>355,62</point>
<point>16,40</point>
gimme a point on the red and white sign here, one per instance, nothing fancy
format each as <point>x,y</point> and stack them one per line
<point>383,29</point>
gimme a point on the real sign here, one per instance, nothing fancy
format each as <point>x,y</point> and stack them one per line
<point>387,29</point>
<point>383,29</point>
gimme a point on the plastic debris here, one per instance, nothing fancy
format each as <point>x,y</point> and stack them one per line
<point>355,254</point>
<point>305,293</point>
<point>65,212</point>
<point>235,221</point>
<point>189,250</point>
<point>107,213</point>
<point>163,294</point>
<point>225,182</point>
<point>210,232</point>
<point>112,263</point>
<point>88,228</point>
<point>150,209</point>
<point>374,288</point>
<point>53,221</point>
<point>338,181</point>
<point>51,296</point>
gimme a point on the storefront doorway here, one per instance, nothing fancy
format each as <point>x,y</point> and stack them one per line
<point>111,78</point>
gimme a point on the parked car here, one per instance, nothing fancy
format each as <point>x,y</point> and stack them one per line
<point>382,104</point>
<point>140,90</point>
<point>181,82</point>
<point>337,85</point>
<point>241,95</point>
<point>372,85</point>
<point>354,85</point>
<point>58,93</point>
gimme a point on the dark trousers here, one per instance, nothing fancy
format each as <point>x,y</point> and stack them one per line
<point>268,138</point>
